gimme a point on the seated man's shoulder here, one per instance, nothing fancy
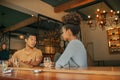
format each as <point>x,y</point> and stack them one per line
<point>19,51</point>
<point>37,49</point>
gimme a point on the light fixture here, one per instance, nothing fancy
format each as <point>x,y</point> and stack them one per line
<point>32,15</point>
<point>21,36</point>
<point>104,20</point>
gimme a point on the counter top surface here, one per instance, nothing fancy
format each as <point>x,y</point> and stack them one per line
<point>90,73</point>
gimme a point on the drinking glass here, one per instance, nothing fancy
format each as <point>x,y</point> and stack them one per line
<point>0,65</point>
<point>47,62</point>
<point>3,66</point>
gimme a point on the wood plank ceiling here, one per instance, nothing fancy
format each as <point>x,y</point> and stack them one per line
<point>83,7</point>
<point>71,4</point>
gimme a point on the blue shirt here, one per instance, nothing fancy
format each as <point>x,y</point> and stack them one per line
<point>4,55</point>
<point>73,56</point>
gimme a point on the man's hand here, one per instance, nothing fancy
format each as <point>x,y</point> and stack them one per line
<point>28,62</point>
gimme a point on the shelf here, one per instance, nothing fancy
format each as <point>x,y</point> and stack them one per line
<point>113,34</point>
<point>114,47</point>
<point>114,40</point>
<point>49,42</point>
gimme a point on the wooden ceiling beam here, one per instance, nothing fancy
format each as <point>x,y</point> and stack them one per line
<point>20,24</point>
<point>71,4</point>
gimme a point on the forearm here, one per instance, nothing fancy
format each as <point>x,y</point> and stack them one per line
<point>57,65</point>
<point>9,63</point>
<point>37,61</point>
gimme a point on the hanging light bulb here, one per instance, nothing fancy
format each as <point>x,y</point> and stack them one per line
<point>21,37</point>
<point>104,18</point>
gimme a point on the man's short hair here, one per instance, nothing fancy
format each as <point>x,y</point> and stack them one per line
<point>30,34</point>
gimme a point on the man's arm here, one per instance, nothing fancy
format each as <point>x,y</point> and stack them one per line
<point>34,61</point>
<point>37,61</point>
<point>10,61</point>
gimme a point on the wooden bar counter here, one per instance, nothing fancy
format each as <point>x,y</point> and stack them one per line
<point>90,73</point>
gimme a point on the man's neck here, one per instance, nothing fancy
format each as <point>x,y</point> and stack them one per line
<point>29,48</point>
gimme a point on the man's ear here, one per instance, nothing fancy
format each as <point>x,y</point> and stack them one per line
<point>25,40</point>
